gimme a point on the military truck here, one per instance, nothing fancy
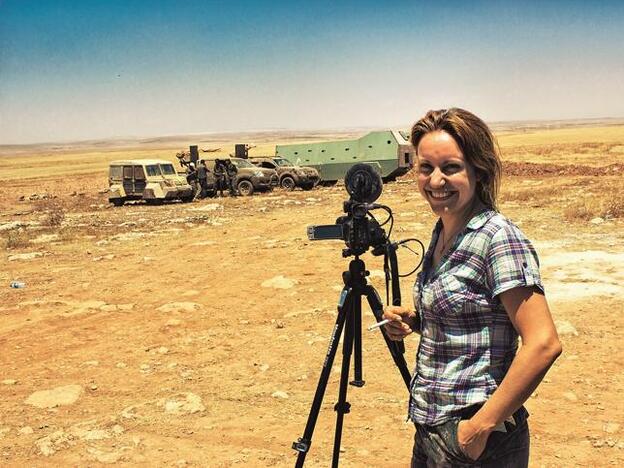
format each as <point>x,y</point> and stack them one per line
<point>152,180</point>
<point>249,178</point>
<point>290,176</point>
<point>389,151</point>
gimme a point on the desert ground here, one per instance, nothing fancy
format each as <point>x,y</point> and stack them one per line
<point>194,334</point>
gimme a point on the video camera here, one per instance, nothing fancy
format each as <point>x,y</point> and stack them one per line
<point>358,228</point>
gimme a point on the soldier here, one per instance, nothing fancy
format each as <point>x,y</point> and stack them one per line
<point>191,177</point>
<point>202,177</point>
<point>231,171</point>
<point>220,175</point>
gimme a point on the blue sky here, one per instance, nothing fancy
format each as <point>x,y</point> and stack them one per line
<point>96,69</point>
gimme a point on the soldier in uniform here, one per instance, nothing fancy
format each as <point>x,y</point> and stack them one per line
<point>232,171</point>
<point>220,175</point>
<point>202,178</point>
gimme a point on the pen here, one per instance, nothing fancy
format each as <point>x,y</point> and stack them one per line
<point>379,324</point>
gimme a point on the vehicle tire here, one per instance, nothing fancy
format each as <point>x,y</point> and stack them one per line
<point>186,199</point>
<point>117,201</point>
<point>245,188</point>
<point>288,183</point>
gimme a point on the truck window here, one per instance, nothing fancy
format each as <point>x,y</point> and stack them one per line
<point>127,172</point>
<point>153,170</point>
<point>115,172</point>
<point>138,173</point>
<point>167,169</point>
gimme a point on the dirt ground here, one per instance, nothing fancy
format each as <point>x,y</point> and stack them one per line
<point>193,335</point>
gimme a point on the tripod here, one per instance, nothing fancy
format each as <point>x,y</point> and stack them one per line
<point>349,320</point>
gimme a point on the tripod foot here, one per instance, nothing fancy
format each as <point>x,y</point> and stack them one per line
<point>357,383</point>
<point>344,408</point>
<point>302,445</point>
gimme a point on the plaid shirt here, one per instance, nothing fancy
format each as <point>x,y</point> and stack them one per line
<point>467,341</point>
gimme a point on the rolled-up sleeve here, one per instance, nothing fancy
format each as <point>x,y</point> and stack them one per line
<point>511,262</point>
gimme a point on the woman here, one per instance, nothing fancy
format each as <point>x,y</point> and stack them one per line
<point>479,290</point>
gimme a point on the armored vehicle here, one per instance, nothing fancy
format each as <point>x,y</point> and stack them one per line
<point>388,151</point>
<point>250,178</point>
<point>152,180</point>
<point>290,176</point>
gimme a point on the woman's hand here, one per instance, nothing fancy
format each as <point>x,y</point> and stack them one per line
<point>402,322</point>
<point>471,440</point>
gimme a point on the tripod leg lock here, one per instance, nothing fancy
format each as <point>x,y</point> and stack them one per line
<point>344,408</point>
<point>302,445</point>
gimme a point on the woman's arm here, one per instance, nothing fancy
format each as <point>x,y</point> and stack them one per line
<point>528,311</point>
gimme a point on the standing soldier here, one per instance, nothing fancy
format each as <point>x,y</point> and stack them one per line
<point>191,177</point>
<point>202,177</point>
<point>220,175</point>
<point>232,171</point>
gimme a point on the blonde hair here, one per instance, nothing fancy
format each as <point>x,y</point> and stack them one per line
<point>476,141</point>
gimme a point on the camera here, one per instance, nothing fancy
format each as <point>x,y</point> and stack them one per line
<point>358,228</point>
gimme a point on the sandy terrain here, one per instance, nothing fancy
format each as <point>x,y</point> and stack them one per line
<point>193,335</point>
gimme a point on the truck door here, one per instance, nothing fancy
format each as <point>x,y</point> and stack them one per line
<point>128,180</point>
<point>139,180</point>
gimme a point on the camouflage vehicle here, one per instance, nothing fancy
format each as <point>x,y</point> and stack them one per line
<point>249,178</point>
<point>290,176</point>
<point>388,151</point>
<point>152,180</point>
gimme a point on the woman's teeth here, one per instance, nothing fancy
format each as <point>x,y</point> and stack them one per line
<point>440,195</point>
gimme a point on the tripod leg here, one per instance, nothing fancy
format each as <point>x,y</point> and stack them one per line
<point>343,407</point>
<point>302,445</point>
<point>357,342</point>
<point>396,348</point>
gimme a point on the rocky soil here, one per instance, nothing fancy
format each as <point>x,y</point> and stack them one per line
<point>193,335</point>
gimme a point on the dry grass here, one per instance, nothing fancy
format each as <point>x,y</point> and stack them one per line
<point>611,206</point>
<point>16,239</point>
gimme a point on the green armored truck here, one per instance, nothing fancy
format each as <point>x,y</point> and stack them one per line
<point>388,151</point>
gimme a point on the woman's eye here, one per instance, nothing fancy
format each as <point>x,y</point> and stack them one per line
<point>452,168</point>
<point>424,168</point>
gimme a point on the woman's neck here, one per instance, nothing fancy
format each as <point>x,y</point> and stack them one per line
<point>454,223</point>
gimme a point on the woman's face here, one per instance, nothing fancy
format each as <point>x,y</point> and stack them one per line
<point>445,179</point>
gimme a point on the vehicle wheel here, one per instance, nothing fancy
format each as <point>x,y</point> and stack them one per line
<point>186,199</point>
<point>117,201</point>
<point>245,188</point>
<point>288,183</point>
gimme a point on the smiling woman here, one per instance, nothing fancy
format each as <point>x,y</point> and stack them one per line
<point>479,290</point>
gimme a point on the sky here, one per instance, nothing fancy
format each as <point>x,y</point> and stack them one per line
<point>89,69</point>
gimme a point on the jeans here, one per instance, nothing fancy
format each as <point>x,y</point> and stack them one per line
<point>437,446</point>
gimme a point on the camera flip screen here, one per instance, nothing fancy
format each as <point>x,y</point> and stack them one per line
<point>326,231</point>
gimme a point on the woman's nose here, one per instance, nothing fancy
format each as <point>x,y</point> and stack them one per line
<point>437,179</point>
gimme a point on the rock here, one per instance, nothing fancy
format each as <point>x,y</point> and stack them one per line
<point>121,365</point>
<point>58,396</point>
<point>179,307</point>
<point>565,328</point>
<point>50,444</point>
<point>280,394</point>
<point>611,428</point>
<point>91,363</point>
<point>3,431</point>
<point>279,282</point>
<point>173,323</point>
<point>163,350</point>
<point>190,403</point>
<point>597,220</point>
<point>11,225</point>
<point>104,457</point>
<point>571,396</point>
<point>26,430</point>
<point>45,238</point>
<point>263,367</point>
<point>9,382</point>
<point>25,256</point>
